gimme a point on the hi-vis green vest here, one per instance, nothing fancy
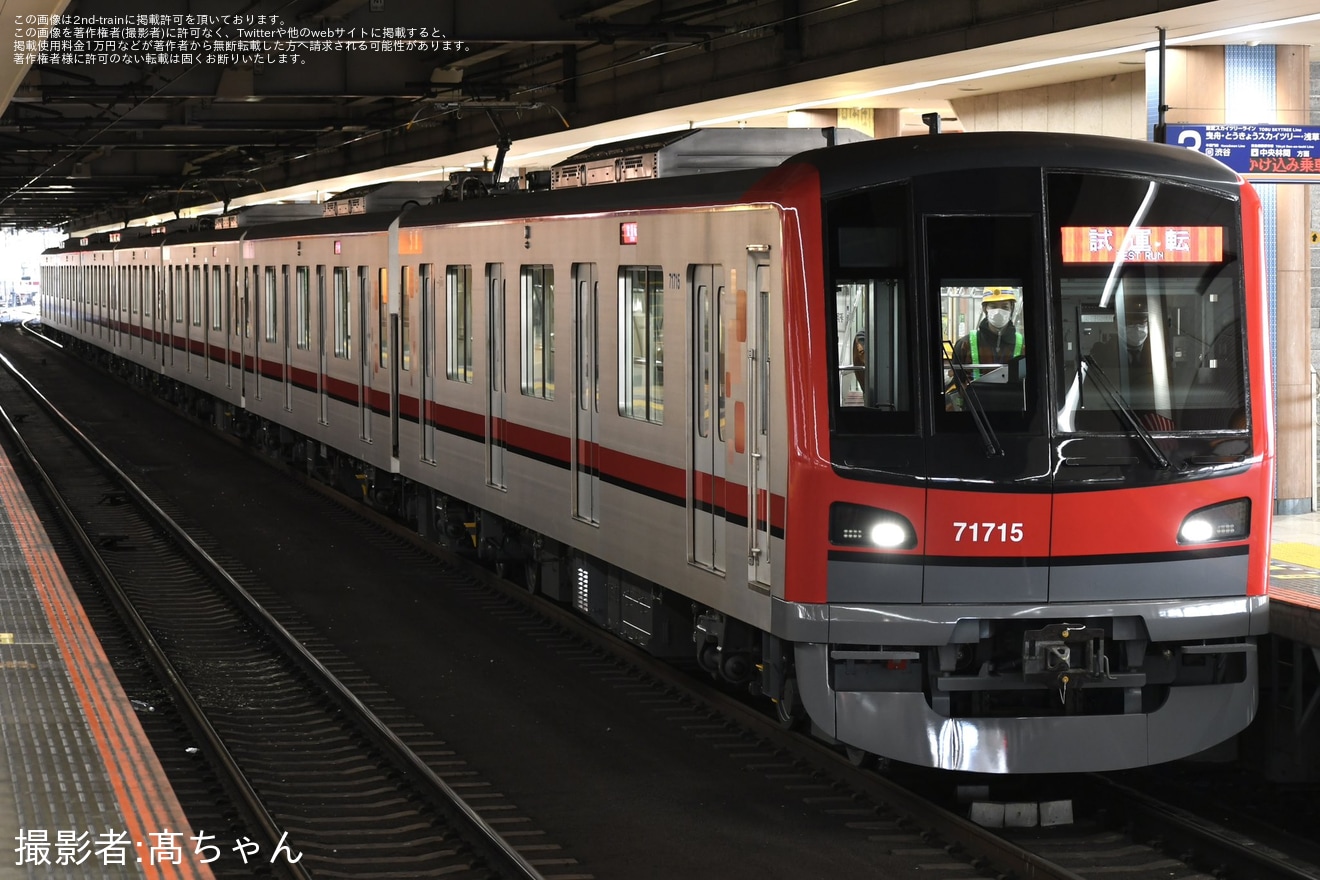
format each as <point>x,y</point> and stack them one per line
<point>974,349</point>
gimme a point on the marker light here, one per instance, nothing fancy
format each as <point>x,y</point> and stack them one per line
<point>1230,521</point>
<point>852,525</point>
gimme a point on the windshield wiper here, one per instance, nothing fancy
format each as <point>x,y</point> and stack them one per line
<point>1117,401</point>
<point>988,438</point>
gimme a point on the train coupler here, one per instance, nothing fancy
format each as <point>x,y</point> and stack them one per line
<point>1064,655</point>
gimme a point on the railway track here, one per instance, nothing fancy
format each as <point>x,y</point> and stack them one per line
<point>325,787</point>
<point>911,814</point>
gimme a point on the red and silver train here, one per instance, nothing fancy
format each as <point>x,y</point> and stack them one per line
<point>725,414</point>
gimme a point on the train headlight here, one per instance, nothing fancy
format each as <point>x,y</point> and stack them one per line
<point>1230,521</point>
<point>852,525</point>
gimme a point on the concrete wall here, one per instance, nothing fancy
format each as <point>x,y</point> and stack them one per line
<point>1110,105</point>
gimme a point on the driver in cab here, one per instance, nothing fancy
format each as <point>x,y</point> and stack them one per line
<point>996,340</point>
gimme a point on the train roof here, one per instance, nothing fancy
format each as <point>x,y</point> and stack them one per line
<point>722,187</point>
<point>841,168</point>
<point>849,167</point>
<point>347,224</point>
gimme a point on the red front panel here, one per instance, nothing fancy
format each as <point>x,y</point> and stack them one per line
<point>987,524</point>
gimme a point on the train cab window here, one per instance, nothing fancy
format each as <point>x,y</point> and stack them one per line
<point>642,343</point>
<point>538,331</point>
<point>869,313</point>
<point>980,269</point>
<point>983,342</point>
<point>1150,310</point>
<point>458,295</point>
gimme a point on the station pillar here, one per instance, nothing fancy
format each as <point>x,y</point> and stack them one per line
<point>1208,85</point>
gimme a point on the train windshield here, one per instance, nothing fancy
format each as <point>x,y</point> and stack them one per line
<point>966,325</point>
<point>1149,319</point>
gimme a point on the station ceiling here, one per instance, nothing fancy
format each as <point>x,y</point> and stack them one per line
<point>139,109</point>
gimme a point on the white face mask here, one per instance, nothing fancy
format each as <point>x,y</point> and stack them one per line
<point>1135,335</point>
<point>997,317</point>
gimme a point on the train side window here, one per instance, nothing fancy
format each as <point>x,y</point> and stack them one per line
<point>341,323</point>
<point>538,321</point>
<point>178,277</point>
<point>217,298</point>
<point>303,308</point>
<point>458,292</point>
<point>642,343</point>
<point>272,303</point>
<point>721,365</point>
<point>383,317</point>
<point>200,282</point>
<point>407,290</point>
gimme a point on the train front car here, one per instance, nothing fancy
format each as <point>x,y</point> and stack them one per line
<point>1029,496</point>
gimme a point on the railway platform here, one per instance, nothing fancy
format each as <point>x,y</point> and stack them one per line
<point>1295,578</point>
<point>82,794</point>
<point>1285,740</point>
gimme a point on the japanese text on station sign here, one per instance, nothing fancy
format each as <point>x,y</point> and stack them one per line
<point>1266,151</point>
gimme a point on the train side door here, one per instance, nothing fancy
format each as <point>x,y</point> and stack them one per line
<point>193,317</point>
<point>224,302</point>
<point>394,382</point>
<point>586,446</point>
<point>116,301</point>
<point>152,310</point>
<point>363,351</point>
<point>706,464</point>
<point>175,313</point>
<point>286,354</point>
<point>495,367</point>
<point>424,408</point>
<point>253,303</point>
<point>759,394</point>
<point>205,317</point>
<point>321,364</point>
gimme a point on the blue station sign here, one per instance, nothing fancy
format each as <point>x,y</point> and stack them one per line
<point>1264,152</point>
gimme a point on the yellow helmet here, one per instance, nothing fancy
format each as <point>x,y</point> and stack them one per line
<point>999,295</point>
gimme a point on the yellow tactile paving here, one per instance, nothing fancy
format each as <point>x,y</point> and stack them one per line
<point>1307,555</point>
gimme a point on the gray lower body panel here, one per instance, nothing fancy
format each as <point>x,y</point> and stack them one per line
<point>902,726</point>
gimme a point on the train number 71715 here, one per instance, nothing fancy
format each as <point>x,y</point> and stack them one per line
<point>988,531</point>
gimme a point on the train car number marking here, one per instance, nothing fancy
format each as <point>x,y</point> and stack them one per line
<point>981,532</point>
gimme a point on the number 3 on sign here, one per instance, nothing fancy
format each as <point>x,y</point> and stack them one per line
<point>981,532</point>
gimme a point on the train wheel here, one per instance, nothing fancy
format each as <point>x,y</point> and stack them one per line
<point>859,758</point>
<point>788,708</point>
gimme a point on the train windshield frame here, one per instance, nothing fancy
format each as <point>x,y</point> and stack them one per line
<point>1102,253</point>
<point>1150,304</point>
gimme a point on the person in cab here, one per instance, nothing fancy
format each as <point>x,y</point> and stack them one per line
<point>996,339</point>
